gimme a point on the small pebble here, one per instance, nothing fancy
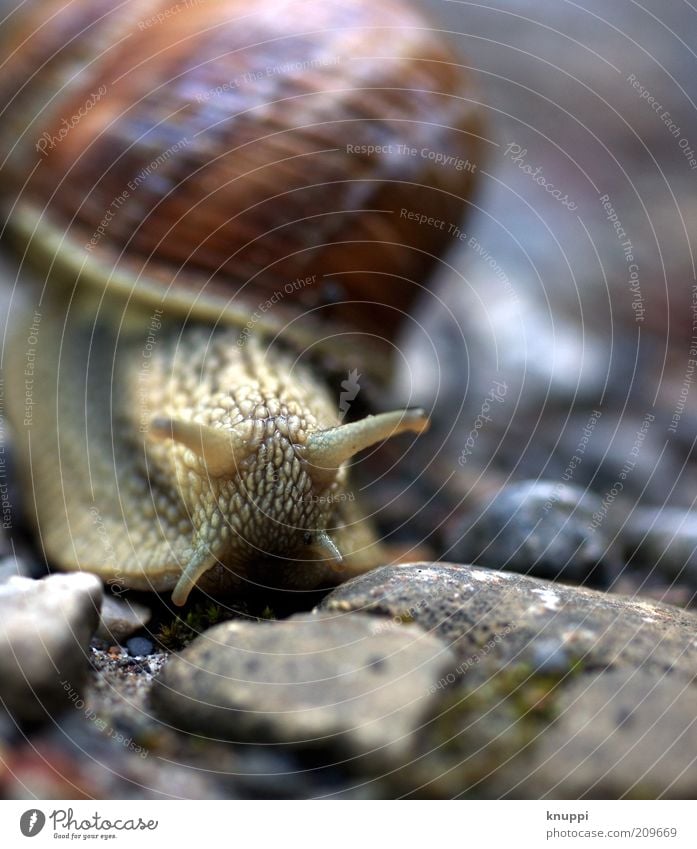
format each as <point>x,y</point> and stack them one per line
<point>340,682</point>
<point>45,629</point>
<point>120,619</point>
<point>140,646</point>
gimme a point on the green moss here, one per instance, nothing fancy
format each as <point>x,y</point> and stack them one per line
<point>183,629</point>
<point>482,724</point>
<point>404,618</point>
<point>178,632</point>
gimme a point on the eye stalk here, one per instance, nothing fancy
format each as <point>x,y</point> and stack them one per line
<point>221,450</point>
<point>325,451</point>
<point>323,545</point>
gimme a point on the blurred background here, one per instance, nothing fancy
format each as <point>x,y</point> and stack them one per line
<point>575,281</point>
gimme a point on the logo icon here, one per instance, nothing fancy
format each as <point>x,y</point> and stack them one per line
<point>351,387</point>
<point>31,822</point>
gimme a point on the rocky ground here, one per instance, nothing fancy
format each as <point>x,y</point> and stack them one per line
<point>561,462</point>
<point>424,680</point>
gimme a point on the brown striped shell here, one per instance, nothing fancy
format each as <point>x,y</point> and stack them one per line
<point>269,157</point>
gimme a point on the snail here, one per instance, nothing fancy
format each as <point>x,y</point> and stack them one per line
<point>226,208</point>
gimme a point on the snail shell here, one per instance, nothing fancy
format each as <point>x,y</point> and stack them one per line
<point>245,178</point>
<point>223,152</point>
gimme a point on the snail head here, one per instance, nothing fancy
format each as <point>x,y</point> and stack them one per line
<point>266,487</point>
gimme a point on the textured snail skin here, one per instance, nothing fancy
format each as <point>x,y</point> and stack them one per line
<point>137,507</point>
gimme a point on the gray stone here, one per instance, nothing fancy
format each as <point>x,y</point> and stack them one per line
<point>351,683</point>
<point>503,617</point>
<point>618,734</point>
<point>9,499</point>
<point>540,528</point>
<point>11,567</point>
<point>628,447</point>
<point>140,646</point>
<point>664,540</point>
<point>45,628</point>
<point>120,618</point>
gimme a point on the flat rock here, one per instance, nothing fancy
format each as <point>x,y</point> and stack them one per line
<point>352,683</point>
<point>506,618</point>
<point>120,618</point>
<point>45,629</point>
<point>619,734</point>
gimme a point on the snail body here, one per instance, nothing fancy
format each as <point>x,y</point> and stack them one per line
<point>198,458</point>
<point>182,428</point>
